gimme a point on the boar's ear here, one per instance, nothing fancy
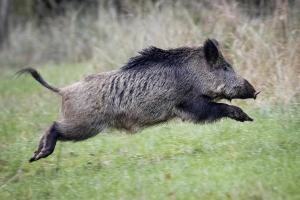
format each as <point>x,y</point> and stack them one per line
<point>211,50</point>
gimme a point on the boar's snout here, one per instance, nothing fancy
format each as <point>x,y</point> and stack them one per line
<point>248,91</point>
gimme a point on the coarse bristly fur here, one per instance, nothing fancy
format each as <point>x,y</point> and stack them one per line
<point>153,87</point>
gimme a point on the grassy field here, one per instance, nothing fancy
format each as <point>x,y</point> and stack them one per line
<point>176,160</point>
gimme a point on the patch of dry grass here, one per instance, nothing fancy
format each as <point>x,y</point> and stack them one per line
<point>263,49</point>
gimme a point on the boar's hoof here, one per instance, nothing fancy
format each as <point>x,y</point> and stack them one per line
<point>238,114</point>
<point>47,144</point>
<point>42,154</point>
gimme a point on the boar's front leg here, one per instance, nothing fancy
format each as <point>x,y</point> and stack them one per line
<point>236,113</point>
<point>203,110</point>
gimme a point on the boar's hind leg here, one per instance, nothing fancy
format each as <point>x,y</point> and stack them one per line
<point>47,143</point>
<point>65,131</point>
<point>72,131</point>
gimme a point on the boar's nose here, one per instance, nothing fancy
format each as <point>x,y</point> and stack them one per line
<point>251,93</point>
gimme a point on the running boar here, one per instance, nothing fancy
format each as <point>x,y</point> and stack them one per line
<point>153,87</point>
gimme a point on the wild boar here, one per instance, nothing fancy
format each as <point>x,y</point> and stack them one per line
<point>153,87</point>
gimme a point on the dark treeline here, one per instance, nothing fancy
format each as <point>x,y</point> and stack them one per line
<point>42,9</point>
<point>14,12</point>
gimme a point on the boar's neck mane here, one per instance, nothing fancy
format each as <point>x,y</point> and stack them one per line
<point>154,56</point>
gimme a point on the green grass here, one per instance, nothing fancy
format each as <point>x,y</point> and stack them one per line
<point>176,160</point>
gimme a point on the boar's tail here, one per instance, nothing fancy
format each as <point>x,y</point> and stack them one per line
<point>37,77</point>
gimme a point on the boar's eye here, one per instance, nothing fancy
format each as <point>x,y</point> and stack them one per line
<point>226,67</point>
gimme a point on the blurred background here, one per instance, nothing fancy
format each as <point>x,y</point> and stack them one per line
<point>69,39</point>
<point>260,37</point>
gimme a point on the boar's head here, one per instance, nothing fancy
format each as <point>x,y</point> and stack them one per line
<point>218,79</point>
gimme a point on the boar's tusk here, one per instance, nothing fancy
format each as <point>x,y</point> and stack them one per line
<point>256,93</point>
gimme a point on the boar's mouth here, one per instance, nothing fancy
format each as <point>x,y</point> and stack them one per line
<point>249,96</point>
<point>229,98</point>
<point>247,91</point>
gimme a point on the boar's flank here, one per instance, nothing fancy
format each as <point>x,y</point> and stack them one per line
<point>153,87</point>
